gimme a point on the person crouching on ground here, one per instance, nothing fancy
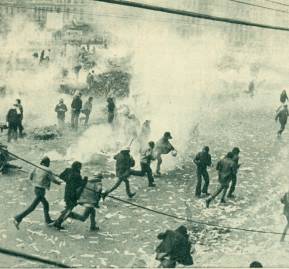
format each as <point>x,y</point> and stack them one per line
<point>41,178</point>
<point>174,248</point>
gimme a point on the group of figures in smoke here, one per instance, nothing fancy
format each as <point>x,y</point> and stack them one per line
<point>176,246</point>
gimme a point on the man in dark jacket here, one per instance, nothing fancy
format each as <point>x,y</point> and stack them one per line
<point>226,169</point>
<point>73,188</point>
<point>236,152</point>
<point>61,109</point>
<point>41,179</point>
<point>282,115</point>
<point>202,160</point>
<point>89,198</point>
<point>124,162</point>
<point>76,106</point>
<point>12,122</point>
<point>174,248</point>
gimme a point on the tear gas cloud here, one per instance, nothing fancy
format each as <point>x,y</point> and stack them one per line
<point>177,81</point>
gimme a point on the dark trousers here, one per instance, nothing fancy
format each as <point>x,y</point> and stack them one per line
<point>74,119</point>
<point>119,181</point>
<point>145,170</point>
<point>64,214</point>
<point>20,127</point>
<point>223,187</point>
<point>88,212</point>
<point>87,114</point>
<point>202,174</point>
<point>40,198</point>
<point>233,185</point>
<point>110,117</point>
<point>12,131</point>
<point>282,128</point>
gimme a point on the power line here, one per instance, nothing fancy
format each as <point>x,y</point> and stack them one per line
<point>58,10</point>
<point>160,212</point>
<point>276,2</point>
<point>259,6</point>
<point>25,256</point>
<point>192,14</point>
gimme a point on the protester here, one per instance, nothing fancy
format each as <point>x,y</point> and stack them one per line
<point>61,109</point>
<point>76,106</point>
<point>87,110</point>
<point>282,115</point>
<point>283,97</point>
<point>285,201</point>
<point>89,198</point>
<point>124,162</point>
<point>174,248</point>
<point>236,152</point>
<point>110,110</point>
<point>163,146</point>
<point>20,117</point>
<point>90,79</point>
<point>145,162</point>
<point>12,122</point>
<point>74,184</point>
<point>226,169</point>
<point>41,178</point>
<point>202,160</point>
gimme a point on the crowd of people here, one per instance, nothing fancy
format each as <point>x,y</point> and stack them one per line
<point>87,192</point>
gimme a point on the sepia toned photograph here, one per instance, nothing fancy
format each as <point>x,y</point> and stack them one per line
<point>144,134</point>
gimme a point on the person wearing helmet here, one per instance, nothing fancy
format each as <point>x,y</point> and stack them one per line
<point>236,152</point>
<point>61,109</point>
<point>202,160</point>
<point>41,178</point>
<point>74,184</point>
<point>89,198</point>
<point>226,169</point>
<point>163,146</point>
<point>124,163</point>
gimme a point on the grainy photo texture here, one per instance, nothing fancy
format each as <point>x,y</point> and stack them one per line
<point>144,133</point>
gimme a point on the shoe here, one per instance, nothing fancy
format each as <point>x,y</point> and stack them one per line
<point>206,193</point>
<point>232,196</point>
<point>50,222</point>
<point>158,174</point>
<point>152,185</point>
<point>208,201</point>
<point>131,195</point>
<point>223,201</point>
<point>58,227</point>
<point>94,229</point>
<point>198,196</point>
<point>16,223</point>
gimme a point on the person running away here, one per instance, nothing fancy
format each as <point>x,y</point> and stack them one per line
<point>41,178</point>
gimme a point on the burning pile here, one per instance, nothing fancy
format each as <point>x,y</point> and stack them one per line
<point>45,133</point>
